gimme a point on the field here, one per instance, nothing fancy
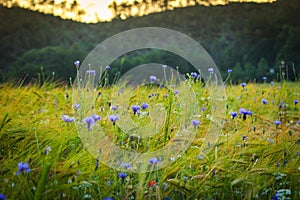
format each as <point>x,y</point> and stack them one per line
<point>42,156</point>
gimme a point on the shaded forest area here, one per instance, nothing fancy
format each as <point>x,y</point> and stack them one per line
<point>249,38</point>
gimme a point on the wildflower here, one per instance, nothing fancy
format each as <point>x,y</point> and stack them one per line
<point>144,106</point>
<point>244,137</point>
<point>233,114</point>
<point>298,122</point>
<point>77,63</point>
<point>152,79</point>
<point>210,70</point>
<point>2,197</point>
<point>200,157</point>
<point>151,184</point>
<point>76,106</point>
<point>107,67</point>
<point>229,71</point>
<point>23,167</point>
<point>67,118</point>
<point>264,101</point>
<point>166,95</point>
<point>245,112</point>
<point>296,101</point>
<point>153,161</point>
<point>243,84</point>
<point>176,92</point>
<point>89,121</point>
<point>126,165</point>
<point>114,108</point>
<point>264,78</point>
<point>96,117</point>
<point>47,150</point>
<point>91,72</point>
<point>272,83</point>
<point>108,198</point>
<point>277,122</point>
<point>113,118</point>
<point>195,123</point>
<point>194,75</point>
<point>135,109</point>
<point>122,175</point>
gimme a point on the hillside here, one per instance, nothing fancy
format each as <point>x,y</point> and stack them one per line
<point>247,37</point>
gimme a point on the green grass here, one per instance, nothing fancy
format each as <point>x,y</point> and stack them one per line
<point>257,166</point>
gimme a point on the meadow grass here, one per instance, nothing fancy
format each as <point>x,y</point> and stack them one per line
<point>253,159</point>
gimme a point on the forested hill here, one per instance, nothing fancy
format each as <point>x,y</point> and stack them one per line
<point>249,38</point>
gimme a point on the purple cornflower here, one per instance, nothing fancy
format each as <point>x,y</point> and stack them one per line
<point>23,167</point>
<point>144,106</point>
<point>107,67</point>
<point>296,101</point>
<point>194,74</point>
<point>89,121</point>
<point>243,84</point>
<point>153,161</point>
<point>176,92</point>
<point>2,197</point>
<point>229,71</point>
<point>91,72</point>
<point>77,63</point>
<point>67,118</point>
<point>233,114</point>
<point>108,198</point>
<point>277,122</point>
<point>264,78</point>
<point>76,106</point>
<point>264,101</point>
<point>122,175</point>
<point>152,79</point>
<point>210,70</point>
<point>96,117</point>
<point>195,123</point>
<point>114,108</point>
<point>113,118</point>
<point>135,109</point>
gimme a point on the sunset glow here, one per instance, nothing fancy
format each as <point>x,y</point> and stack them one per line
<point>93,11</point>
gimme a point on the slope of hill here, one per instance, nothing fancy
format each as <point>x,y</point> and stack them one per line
<point>250,38</point>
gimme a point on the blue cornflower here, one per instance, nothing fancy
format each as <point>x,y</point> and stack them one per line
<point>76,106</point>
<point>77,63</point>
<point>195,123</point>
<point>122,175</point>
<point>153,161</point>
<point>229,71</point>
<point>243,111</point>
<point>89,121</point>
<point>113,118</point>
<point>243,84</point>
<point>277,122</point>
<point>67,118</point>
<point>233,114</point>
<point>107,67</point>
<point>210,70</point>
<point>176,92</point>
<point>108,198</point>
<point>298,122</point>
<point>264,101</point>
<point>135,109</point>
<point>96,117</point>
<point>144,106</point>
<point>91,72</point>
<point>194,74</point>
<point>126,165</point>
<point>23,167</point>
<point>2,197</point>
<point>264,78</point>
<point>152,79</point>
<point>296,101</point>
<point>114,108</point>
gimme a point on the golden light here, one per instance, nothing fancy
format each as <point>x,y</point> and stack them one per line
<point>93,11</point>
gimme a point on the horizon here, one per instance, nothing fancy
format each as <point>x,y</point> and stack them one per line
<point>92,11</point>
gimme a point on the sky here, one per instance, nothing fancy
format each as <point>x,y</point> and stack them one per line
<point>93,11</point>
